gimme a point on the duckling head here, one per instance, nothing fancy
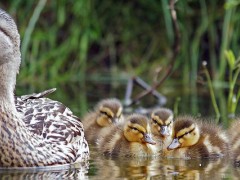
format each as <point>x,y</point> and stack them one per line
<point>109,112</point>
<point>162,122</point>
<point>137,129</point>
<point>186,133</point>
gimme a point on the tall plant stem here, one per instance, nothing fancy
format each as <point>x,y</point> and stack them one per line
<point>213,98</point>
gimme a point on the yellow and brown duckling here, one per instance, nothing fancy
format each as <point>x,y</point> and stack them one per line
<point>235,141</point>
<point>195,139</point>
<point>106,113</point>
<point>131,139</point>
<point>161,125</point>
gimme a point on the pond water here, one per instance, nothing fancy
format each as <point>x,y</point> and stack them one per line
<point>160,168</point>
<point>100,167</point>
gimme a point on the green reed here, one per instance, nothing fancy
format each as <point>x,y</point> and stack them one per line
<point>234,90</point>
<point>211,90</point>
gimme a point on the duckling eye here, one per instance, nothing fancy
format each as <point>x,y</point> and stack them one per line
<point>154,121</point>
<point>105,113</point>
<point>135,129</point>
<point>186,133</point>
<point>169,124</point>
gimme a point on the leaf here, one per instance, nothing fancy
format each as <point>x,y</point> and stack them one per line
<point>230,58</point>
<point>231,4</point>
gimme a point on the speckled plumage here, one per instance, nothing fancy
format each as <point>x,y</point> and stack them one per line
<point>59,140</point>
<point>48,118</point>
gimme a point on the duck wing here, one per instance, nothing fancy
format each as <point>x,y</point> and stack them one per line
<point>48,118</point>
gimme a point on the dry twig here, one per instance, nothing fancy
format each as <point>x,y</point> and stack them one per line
<point>176,48</point>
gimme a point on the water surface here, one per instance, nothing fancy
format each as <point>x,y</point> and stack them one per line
<point>100,167</point>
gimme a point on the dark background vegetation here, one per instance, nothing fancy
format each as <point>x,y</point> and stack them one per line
<point>77,46</point>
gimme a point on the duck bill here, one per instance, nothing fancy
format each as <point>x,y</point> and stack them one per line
<point>148,139</point>
<point>164,131</point>
<point>174,144</point>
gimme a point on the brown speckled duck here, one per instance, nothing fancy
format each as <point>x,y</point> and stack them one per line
<point>60,138</point>
<point>161,125</point>
<point>131,139</point>
<point>195,139</point>
<point>106,113</point>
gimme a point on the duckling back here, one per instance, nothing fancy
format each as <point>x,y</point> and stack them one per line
<point>197,139</point>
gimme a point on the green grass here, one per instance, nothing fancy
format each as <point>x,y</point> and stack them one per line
<point>66,42</point>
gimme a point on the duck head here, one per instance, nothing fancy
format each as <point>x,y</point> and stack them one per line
<point>10,58</point>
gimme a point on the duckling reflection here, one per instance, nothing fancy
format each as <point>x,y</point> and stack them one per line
<point>195,139</point>
<point>106,113</point>
<point>124,168</point>
<point>195,168</point>
<point>161,125</point>
<point>131,139</point>
<point>158,168</point>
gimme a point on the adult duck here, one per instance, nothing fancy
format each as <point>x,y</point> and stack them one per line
<point>19,146</point>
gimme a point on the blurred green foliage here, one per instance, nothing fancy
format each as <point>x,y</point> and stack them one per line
<point>67,41</point>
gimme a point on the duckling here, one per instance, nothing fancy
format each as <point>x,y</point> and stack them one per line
<point>235,141</point>
<point>161,125</point>
<point>193,139</point>
<point>130,139</point>
<point>106,113</point>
